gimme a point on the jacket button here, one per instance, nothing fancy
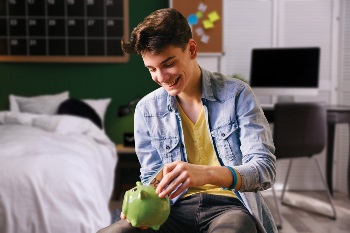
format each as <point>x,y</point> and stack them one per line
<point>222,134</point>
<point>167,147</point>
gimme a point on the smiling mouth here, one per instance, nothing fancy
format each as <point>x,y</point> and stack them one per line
<point>173,82</point>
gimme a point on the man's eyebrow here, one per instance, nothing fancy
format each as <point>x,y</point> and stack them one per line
<point>169,58</point>
<point>164,61</point>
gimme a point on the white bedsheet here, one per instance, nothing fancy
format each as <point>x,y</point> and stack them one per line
<point>56,174</point>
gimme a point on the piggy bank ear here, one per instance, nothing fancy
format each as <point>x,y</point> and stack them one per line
<point>142,195</point>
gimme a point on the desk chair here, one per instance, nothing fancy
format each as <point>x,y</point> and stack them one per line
<point>299,131</point>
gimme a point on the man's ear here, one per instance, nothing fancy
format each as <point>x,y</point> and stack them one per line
<point>193,48</point>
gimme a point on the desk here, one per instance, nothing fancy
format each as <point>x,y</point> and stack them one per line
<point>336,114</point>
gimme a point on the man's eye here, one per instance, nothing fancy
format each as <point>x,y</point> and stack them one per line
<point>151,69</point>
<point>170,64</point>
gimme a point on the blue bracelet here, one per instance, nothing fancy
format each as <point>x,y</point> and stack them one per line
<point>235,179</point>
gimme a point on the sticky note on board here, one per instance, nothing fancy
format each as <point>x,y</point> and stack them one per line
<point>205,39</point>
<point>202,7</point>
<point>199,31</point>
<point>199,14</point>
<point>213,16</point>
<point>207,24</point>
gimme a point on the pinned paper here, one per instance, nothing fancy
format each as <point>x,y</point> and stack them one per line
<point>199,14</point>
<point>202,7</point>
<point>192,19</point>
<point>199,31</point>
<point>213,16</point>
<point>205,39</point>
<point>207,24</point>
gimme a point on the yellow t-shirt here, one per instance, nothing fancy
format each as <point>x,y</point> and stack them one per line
<point>200,151</point>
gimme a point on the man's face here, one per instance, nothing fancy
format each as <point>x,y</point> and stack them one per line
<point>171,69</point>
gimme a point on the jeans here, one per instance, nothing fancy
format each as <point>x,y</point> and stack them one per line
<point>199,213</point>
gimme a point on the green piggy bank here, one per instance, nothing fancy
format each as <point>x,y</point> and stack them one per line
<point>143,207</point>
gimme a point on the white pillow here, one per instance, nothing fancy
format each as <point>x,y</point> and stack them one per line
<point>99,105</point>
<point>43,104</point>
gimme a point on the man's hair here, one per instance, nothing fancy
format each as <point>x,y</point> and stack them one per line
<point>162,28</point>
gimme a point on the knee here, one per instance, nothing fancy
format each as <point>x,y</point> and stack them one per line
<point>110,229</point>
<point>121,226</point>
<point>104,230</point>
<point>245,223</point>
<point>234,221</point>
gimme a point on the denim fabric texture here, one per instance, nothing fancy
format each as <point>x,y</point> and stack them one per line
<point>208,213</point>
<point>199,213</point>
<point>239,132</point>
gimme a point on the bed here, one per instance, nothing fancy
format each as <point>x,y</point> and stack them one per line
<point>56,173</point>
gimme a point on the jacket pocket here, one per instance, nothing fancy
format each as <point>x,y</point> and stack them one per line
<point>227,141</point>
<point>168,149</point>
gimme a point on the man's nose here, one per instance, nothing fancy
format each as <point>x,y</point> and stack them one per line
<point>162,76</point>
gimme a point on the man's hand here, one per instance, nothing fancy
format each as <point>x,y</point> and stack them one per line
<point>122,216</point>
<point>178,176</point>
<point>181,175</point>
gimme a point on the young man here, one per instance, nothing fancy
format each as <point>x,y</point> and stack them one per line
<point>208,131</point>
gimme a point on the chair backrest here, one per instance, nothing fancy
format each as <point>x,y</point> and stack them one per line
<point>299,129</point>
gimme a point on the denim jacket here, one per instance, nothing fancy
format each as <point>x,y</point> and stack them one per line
<point>239,132</point>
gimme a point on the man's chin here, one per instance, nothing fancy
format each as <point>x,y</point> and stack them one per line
<point>173,92</point>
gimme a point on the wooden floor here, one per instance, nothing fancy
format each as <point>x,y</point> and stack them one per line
<point>312,216</point>
<point>298,220</point>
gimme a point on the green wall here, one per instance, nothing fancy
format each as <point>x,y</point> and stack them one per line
<point>122,82</point>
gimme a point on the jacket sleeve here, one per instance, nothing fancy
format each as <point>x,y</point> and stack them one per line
<point>258,169</point>
<point>147,155</point>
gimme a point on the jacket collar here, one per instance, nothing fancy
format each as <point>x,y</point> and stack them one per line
<point>207,88</point>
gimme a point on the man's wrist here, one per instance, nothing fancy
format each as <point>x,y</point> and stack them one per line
<point>234,178</point>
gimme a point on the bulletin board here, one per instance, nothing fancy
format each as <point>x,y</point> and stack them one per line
<point>63,30</point>
<point>205,18</point>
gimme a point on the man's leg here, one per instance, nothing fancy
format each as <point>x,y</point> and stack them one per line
<point>181,220</point>
<point>233,221</point>
<point>182,217</point>
<point>121,226</point>
<point>222,214</point>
